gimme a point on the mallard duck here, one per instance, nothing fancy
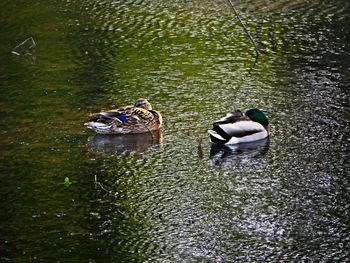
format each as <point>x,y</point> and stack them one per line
<point>138,118</point>
<point>237,127</point>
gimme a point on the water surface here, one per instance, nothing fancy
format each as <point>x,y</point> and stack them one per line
<point>171,196</point>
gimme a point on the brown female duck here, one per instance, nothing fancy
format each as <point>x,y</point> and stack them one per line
<point>138,118</point>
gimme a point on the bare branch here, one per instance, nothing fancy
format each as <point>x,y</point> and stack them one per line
<point>245,28</point>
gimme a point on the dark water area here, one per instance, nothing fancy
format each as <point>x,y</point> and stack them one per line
<point>171,196</point>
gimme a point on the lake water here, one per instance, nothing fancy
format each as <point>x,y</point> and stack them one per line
<point>170,196</point>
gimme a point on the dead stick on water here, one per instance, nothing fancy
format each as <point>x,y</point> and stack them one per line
<point>97,183</point>
<point>21,44</point>
<point>245,28</point>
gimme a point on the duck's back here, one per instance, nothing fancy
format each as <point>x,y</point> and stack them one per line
<point>126,120</point>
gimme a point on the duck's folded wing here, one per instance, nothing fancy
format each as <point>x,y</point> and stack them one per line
<point>111,114</point>
<point>140,114</point>
<point>231,117</point>
<point>238,129</point>
<point>128,115</point>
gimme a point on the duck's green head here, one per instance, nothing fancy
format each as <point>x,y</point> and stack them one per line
<point>258,116</point>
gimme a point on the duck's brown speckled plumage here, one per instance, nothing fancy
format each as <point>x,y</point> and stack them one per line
<point>138,118</point>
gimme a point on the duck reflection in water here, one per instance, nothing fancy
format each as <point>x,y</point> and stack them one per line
<point>123,144</point>
<point>242,153</point>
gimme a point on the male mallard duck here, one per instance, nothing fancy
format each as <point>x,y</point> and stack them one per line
<point>138,118</point>
<point>238,127</point>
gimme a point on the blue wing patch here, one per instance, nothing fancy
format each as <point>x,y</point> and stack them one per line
<point>122,118</point>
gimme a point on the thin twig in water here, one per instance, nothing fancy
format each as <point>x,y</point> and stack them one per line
<point>245,28</point>
<point>33,45</point>
<point>199,147</point>
<point>98,184</point>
